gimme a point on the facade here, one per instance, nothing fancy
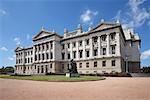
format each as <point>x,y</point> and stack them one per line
<point>106,48</point>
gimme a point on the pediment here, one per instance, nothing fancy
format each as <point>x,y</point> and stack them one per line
<point>18,48</point>
<point>104,26</point>
<point>41,34</point>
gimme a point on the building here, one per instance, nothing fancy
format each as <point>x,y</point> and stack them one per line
<point>106,48</point>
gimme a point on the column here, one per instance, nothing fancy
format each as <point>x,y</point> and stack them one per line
<point>77,50</point>
<point>53,50</point>
<point>83,42</point>
<point>91,47</point>
<point>33,59</point>
<point>49,50</point>
<point>99,46</point>
<point>108,46</point>
<point>71,55</point>
<point>118,45</point>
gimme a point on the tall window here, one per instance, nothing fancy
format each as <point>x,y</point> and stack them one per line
<point>39,57</point>
<point>42,69</point>
<point>47,56</point>
<point>95,52</point>
<point>95,39</point>
<point>47,46</point>
<point>104,51</point>
<point>112,36</point>
<point>51,55</point>
<point>80,53</point>
<point>51,44</point>
<point>113,63</point>
<point>80,65</point>
<point>51,65</point>
<point>113,49</point>
<point>35,57</point>
<point>63,55</point>
<point>103,63</point>
<point>103,37</point>
<point>87,41</point>
<point>87,53</point>
<point>80,43</point>
<point>68,45</point>
<point>74,44</point>
<point>87,65</point>
<point>43,56</point>
<point>68,55</point>
<point>74,54</point>
<point>43,46</point>
<point>95,63</point>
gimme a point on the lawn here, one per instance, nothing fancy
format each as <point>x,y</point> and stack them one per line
<point>55,78</point>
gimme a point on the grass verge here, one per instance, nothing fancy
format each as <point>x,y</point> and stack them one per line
<point>55,78</point>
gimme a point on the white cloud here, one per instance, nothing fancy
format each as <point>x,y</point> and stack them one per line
<point>28,36</point>
<point>10,58</point>
<point>17,40</point>
<point>3,49</point>
<point>2,12</point>
<point>135,15</point>
<point>87,16</point>
<point>145,54</point>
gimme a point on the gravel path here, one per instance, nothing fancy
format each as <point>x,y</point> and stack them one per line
<point>109,89</point>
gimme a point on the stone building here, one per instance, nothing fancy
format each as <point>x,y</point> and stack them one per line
<point>106,48</point>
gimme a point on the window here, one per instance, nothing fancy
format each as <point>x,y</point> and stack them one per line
<point>28,60</point>
<point>95,52</point>
<point>103,63</point>
<point>47,46</point>
<point>47,56</point>
<point>39,57</point>
<point>74,54</point>
<point>113,63</point>
<point>31,52</point>
<point>104,51</point>
<point>87,65</point>
<point>39,48</point>
<point>38,71</point>
<point>63,46</point>
<point>87,53</point>
<point>42,69</point>
<point>43,56</point>
<point>35,66</point>
<point>51,44</point>
<point>80,65</point>
<point>80,53</point>
<point>95,63</point>
<point>25,60</point>
<point>80,43</point>
<point>51,65</point>
<point>68,45</point>
<point>62,66</point>
<point>51,55</point>
<point>103,37</point>
<point>87,41</point>
<point>74,44</point>
<point>112,36</point>
<point>31,60</point>
<point>113,49</point>
<point>63,55</point>
<point>35,57</point>
<point>43,47</point>
<point>68,55</point>
<point>95,39</point>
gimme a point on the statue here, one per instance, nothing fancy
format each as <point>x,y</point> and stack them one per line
<point>72,69</point>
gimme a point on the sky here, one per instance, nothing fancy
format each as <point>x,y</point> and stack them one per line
<point>20,20</point>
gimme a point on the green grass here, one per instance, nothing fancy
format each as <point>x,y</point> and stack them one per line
<point>55,78</point>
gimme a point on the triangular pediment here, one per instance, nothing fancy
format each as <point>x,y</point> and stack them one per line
<point>18,48</point>
<point>104,26</point>
<point>41,34</point>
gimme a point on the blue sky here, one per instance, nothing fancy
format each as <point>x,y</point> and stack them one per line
<point>20,20</point>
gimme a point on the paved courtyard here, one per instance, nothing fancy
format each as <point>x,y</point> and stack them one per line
<point>109,89</point>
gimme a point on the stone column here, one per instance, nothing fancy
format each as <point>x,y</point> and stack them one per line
<point>53,50</point>
<point>77,50</point>
<point>108,46</point>
<point>118,48</point>
<point>71,51</point>
<point>33,54</point>
<point>83,45</point>
<point>99,47</point>
<point>91,47</point>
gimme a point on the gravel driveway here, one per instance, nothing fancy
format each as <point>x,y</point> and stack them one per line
<point>110,89</point>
